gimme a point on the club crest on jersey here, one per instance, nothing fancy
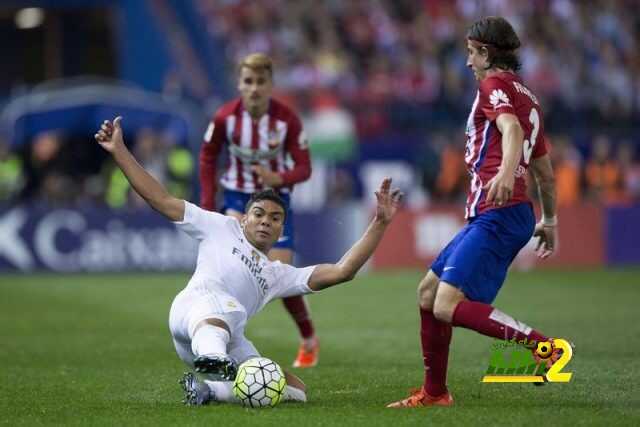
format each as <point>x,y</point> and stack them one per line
<point>255,256</point>
<point>273,139</point>
<point>254,267</point>
<point>499,99</point>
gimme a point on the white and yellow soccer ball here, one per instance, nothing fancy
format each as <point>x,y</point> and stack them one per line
<point>260,382</point>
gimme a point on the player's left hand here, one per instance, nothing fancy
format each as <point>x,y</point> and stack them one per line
<point>500,188</point>
<point>388,201</point>
<point>547,241</point>
<point>267,177</point>
<point>109,136</point>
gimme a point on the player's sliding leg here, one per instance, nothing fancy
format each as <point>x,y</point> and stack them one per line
<point>297,307</point>
<point>435,338</point>
<point>222,391</point>
<point>206,392</point>
<point>452,307</point>
<point>196,392</point>
<point>241,349</point>
<point>209,343</point>
<point>295,391</point>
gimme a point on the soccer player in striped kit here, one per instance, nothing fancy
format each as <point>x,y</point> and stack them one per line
<point>505,137</point>
<point>267,149</point>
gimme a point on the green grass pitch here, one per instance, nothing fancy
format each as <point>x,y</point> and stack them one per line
<point>96,350</point>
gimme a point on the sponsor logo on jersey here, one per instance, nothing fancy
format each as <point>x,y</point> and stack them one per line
<point>499,99</point>
<point>254,268</point>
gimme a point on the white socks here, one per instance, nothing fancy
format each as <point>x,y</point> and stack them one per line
<point>209,339</point>
<point>294,394</point>
<point>223,392</point>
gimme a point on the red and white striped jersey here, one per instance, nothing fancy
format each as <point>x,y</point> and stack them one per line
<point>275,141</point>
<point>500,93</point>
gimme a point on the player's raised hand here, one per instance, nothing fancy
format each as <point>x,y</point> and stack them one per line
<point>109,136</point>
<point>388,201</point>
<point>547,241</point>
<point>500,188</point>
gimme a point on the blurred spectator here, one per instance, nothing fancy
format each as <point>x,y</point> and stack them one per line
<point>630,169</point>
<point>180,171</point>
<point>11,173</point>
<point>341,188</point>
<point>567,167</point>
<point>603,175</point>
<point>429,165</point>
<point>46,171</point>
<point>151,153</point>
<point>453,178</point>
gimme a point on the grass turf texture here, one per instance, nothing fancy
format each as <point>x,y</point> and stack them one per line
<point>95,349</point>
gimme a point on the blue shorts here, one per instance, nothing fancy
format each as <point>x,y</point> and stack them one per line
<point>238,201</point>
<point>477,259</point>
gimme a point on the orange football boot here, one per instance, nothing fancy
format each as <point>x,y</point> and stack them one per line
<point>419,397</point>
<point>307,356</point>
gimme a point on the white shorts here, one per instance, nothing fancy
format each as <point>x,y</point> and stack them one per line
<point>191,306</point>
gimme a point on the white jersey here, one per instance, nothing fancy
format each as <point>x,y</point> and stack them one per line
<point>228,263</point>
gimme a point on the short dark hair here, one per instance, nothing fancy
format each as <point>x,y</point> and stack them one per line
<point>500,39</point>
<point>269,194</point>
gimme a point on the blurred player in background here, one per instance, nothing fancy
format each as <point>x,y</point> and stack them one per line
<point>263,137</point>
<point>505,136</point>
<point>234,279</point>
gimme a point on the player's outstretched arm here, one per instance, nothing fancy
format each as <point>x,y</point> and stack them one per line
<point>326,275</point>
<point>546,229</point>
<point>109,136</point>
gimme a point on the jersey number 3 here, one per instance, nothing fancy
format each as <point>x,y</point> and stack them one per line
<point>534,119</point>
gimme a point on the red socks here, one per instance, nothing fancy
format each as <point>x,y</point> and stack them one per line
<point>435,338</point>
<point>487,320</point>
<point>297,308</point>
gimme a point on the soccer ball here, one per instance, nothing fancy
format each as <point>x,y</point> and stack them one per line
<point>260,382</point>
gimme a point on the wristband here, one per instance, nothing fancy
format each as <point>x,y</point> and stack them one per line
<point>549,222</point>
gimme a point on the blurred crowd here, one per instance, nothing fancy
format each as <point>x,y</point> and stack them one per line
<point>63,170</point>
<point>365,71</point>
<point>607,174</point>
<point>66,171</point>
<point>399,65</point>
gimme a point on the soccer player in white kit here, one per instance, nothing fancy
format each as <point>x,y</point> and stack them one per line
<point>234,278</point>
